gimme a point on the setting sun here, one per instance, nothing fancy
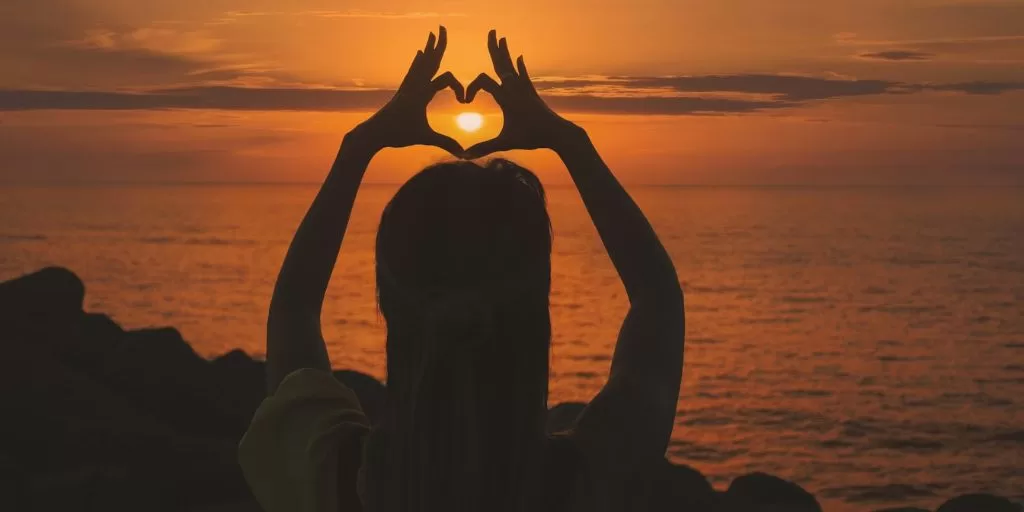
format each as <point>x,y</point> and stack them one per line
<point>469,121</point>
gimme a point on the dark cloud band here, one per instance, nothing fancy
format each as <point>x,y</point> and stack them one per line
<point>682,95</point>
<point>897,55</point>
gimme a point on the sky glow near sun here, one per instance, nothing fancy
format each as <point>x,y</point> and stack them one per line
<point>469,121</point>
<point>671,91</point>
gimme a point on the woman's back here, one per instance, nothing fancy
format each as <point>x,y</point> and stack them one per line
<point>313,435</point>
<point>463,268</point>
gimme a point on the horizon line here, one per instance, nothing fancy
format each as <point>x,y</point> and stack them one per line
<point>116,183</point>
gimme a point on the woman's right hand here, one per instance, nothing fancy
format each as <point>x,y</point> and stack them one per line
<point>529,122</point>
<point>402,121</point>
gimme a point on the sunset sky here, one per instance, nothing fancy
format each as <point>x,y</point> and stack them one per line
<point>672,91</point>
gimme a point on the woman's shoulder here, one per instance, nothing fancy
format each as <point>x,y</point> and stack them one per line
<point>294,440</point>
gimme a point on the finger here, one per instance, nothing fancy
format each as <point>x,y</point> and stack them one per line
<point>508,71</point>
<point>485,148</point>
<point>434,57</point>
<point>414,69</point>
<point>430,44</point>
<point>485,82</point>
<point>448,80</point>
<point>427,59</point>
<point>442,41</point>
<point>521,67</point>
<point>524,76</point>
<point>446,143</point>
<point>492,49</point>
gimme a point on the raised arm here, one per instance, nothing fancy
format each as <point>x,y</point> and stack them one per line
<point>294,338</point>
<point>637,406</point>
<point>630,421</point>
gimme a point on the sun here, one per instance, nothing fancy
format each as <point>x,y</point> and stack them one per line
<point>469,121</point>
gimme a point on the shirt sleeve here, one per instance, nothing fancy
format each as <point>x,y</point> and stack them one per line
<point>289,454</point>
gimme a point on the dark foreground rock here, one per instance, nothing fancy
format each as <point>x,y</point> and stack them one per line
<point>679,487</point>
<point>761,492</point>
<point>39,304</point>
<point>100,418</point>
<point>979,502</point>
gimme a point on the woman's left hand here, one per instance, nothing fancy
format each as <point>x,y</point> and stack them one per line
<point>403,121</point>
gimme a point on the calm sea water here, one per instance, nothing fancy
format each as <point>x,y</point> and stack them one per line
<point>867,343</point>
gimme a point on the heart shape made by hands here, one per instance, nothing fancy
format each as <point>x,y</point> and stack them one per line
<point>453,120</point>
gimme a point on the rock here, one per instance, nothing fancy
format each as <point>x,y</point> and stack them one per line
<point>109,419</point>
<point>87,342</point>
<point>239,366</point>
<point>679,487</point>
<point>979,503</point>
<point>245,379</point>
<point>98,329</point>
<point>229,507</point>
<point>760,492</point>
<point>156,371</point>
<point>563,416</point>
<point>50,290</point>
<point>162,484</point>
<point>241,381</point>
<point>41,304</point>
<point>79,443</point>
<point>13,484</point>
<point>93,488</point>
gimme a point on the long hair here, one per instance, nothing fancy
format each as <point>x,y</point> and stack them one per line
<point>463,267</point>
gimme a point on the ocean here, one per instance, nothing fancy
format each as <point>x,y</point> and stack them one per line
<point>867,343</point>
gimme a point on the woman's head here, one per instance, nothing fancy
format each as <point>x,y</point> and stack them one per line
<point>463,277</point>
<point>460,227</point>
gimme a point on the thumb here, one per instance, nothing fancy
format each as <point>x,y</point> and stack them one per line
<point>485,148</point>
<point>446,143</point>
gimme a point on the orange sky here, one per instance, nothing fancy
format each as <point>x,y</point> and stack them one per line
<point>672,91</point>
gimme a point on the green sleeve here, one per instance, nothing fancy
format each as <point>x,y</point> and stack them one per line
<point>289,455</point>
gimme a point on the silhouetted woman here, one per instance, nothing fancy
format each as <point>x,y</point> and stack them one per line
<point>463,277</point>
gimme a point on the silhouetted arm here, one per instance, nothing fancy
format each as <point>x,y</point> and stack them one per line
<point>294,337</point>
<point>637,406</point>
<point>630,421</point>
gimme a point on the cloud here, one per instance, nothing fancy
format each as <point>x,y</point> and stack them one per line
<point>679,95</point>
<point>381,15</point>
<point>784,88</point>
<point>152,39</point>
<point>215,97</point>
<point>80,48</point>
<point>897,55</point>
<point>194,53</point>
<point>236,16</point>
<point>957,44</point>
<point>997,127</point>
<point>658,105</point>
<point>69,66</point>
<point>926,49</point>
<point>307,99</point>
<point>977,87</point>
<point>150,57</point>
